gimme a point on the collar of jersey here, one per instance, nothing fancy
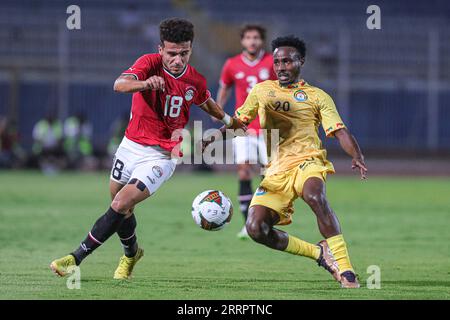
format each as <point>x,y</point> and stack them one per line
<point>299,84</point>
<point>254,62</point>
<point>178,76</point>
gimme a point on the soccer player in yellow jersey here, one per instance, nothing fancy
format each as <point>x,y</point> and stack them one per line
<point>297,109</point>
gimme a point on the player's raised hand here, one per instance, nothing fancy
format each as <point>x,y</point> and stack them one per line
<point>359,163</point>
<point>155,83</point>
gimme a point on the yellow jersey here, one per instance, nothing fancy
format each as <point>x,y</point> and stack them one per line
<point>296,111</point>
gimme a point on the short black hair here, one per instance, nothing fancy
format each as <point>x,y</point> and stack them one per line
<point>250,27</point>
<point>290,41</point>
<point>176,30</point>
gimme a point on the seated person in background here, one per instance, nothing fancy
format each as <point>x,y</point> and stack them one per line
<point>47,144</point>
<point>11,153</point>
<point>77,143</point>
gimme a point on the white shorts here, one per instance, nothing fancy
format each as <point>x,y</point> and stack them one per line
<point>250,149</point>
<point>150,164</point>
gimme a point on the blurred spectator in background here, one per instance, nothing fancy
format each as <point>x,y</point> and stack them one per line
<point>78,143</point>
<point>47,144</point>
<point>117,132</point>
<point>11,153</point>
<point>326,52</point>
<point>130,19</point>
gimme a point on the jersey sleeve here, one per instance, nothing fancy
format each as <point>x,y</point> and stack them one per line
<point>330,118</point>
<point>141,69</point>
<point>203,93</point>
<point>226,77</point>
<point>249,110</point>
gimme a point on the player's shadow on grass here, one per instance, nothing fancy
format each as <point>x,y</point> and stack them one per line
<point>236,284</point>
<point>420,283</point>
<point>201,283</point>
<point>106,281</point>
<point>232,280</point>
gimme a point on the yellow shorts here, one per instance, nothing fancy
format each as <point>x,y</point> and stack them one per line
<point>278,192</point>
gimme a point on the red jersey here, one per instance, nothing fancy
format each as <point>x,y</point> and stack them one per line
<point>244,74</point>
<point>156,114</point>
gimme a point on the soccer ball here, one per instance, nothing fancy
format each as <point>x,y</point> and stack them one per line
<point>212,210</point>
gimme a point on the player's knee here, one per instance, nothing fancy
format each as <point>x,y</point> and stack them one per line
<point>315,200</point>
<point>256,230</point>
<point>122,205</point>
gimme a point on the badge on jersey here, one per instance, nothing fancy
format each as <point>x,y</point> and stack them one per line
<point>189,93</point>
<point>264,74</point>
<point>239,75</point>
<point>260,191</point>
<point>300,96</point>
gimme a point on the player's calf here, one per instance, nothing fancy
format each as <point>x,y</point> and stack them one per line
<point>103,228</point>
<point>314,195</point>
<point>127,236</point>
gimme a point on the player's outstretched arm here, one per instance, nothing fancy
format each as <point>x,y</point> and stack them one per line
<point>214,110</point>
<point>232,123</point>
<point>226,133</point>
<point>222,97</point>
<point>127,83</point>
<point>351,147</point>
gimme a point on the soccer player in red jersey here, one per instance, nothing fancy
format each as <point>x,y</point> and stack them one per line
<point>164,86</point>
<point>251,66</point>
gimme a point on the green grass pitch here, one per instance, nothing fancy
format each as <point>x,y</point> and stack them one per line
<point>398,224</point>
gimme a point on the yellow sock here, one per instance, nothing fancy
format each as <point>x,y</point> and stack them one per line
<point>302,248</point>
<point>339,249</point>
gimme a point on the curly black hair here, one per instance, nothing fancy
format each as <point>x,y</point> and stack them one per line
<point>250,27</point>
<point>290,41</point>
<point>176,30</point>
